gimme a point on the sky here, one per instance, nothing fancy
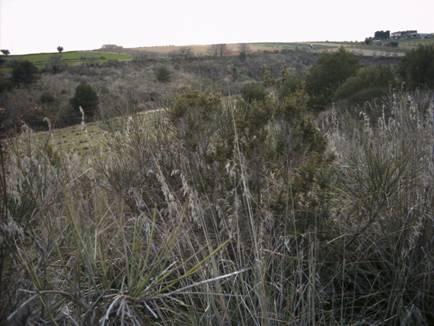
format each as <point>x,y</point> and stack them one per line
<point>30,26</point>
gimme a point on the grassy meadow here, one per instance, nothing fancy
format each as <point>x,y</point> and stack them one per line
<point>72,57</point>
<point>86,139</point>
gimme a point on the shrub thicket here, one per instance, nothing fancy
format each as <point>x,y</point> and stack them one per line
<point>367,84</point>
<point>253,92</point>
<point>24,73</point>
<point>327,75</point>
<point>417,67</point>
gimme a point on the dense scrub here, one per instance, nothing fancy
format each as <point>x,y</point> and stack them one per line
<point>147,82</point>
<point>227,211</point>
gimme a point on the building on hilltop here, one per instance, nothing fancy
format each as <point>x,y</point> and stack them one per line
<point>404,35</point>
<point>111,47</point>
<point>382,35</point>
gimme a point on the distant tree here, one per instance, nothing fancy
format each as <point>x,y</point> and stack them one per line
<point>162,73</point>
<point>24,72</point>
<point>85,97</point>
<point>60,49</point>
<point>218,50</point>
<point>417,67</point>
<point>243,56</point>
<point>5,52</point>
<point>327,75</point>
<point>186,52</point>
<point>221,49</point>
<point>244,49</point>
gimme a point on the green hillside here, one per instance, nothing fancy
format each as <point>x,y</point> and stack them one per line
<point>72,57</point>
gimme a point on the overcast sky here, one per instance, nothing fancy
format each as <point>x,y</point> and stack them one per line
<point>41,25</point>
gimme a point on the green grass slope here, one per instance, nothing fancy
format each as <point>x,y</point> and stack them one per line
<point>72,57</point>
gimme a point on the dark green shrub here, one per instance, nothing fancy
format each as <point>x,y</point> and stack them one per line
<point>85,97</point>
<point>417,67</point>
<point>327,75</point>
<point>368,83</point>
<point>242,56</point>
<point>289,85</point>
<point>46,98</point>
<point>5,84</point>
<point>192,114</point>
<point>162,74</point>
<point>253,92</point>
<point>24,72</point>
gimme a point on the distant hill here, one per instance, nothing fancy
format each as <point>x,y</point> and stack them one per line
<point>232,49</point>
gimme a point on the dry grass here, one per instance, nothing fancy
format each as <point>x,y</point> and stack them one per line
<point>153,232</point>
<point>233,49</point>
<point>86,139</point>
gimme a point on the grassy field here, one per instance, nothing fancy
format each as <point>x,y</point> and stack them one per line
<point>72,57</point>
<point>75,139</point>
<point>411,44</point>
<point>89,138</point>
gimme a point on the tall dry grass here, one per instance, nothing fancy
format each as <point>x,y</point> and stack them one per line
<point>238,225</point>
